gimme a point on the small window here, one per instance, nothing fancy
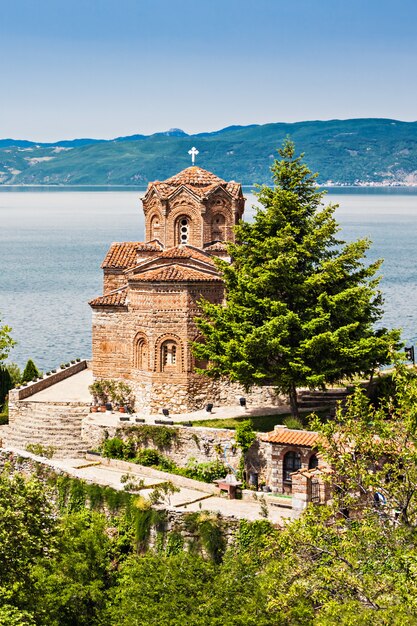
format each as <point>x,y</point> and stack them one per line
<point>169,357</point>
<point>218,228</point>
<point>292,463</point>
<point>184,228</point>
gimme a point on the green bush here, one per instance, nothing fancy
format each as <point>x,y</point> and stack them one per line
<point>294,423</point>
<point>113,448</point>
<point>206,472</point>
<point>15,373</point>
<point>148,457</point>
<point>30,372</point>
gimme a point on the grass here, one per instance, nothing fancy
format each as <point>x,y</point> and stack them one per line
<point>261,423</point>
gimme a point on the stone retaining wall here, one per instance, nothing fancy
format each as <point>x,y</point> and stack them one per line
<point>200,443</point>
<point>176,520</point>
<point>152,395</point>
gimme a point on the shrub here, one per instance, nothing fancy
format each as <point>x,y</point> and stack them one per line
<point>148,457</point>
<point>15,373</point>
<point>40,450</point>
<point>30,372</point>
<point>293,422</point>
<point>160,436</point>
<point>113,448</point>
<point>206,472</point>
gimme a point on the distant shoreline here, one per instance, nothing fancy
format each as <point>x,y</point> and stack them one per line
<point>327,185</point>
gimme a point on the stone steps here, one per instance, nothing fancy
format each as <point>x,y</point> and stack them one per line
<point>326,399</point>
<point>47,424</point>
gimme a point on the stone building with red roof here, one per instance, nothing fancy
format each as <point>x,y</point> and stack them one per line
<point>143,324</point>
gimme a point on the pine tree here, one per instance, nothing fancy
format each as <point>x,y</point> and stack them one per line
<point>30,372</point>
<point>301,305</point>
<point>6,384</point>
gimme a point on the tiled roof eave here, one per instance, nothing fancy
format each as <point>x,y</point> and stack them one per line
<point>287,437</point>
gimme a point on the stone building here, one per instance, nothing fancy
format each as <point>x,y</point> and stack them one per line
<point>289,451</point>
<point>143,323</point>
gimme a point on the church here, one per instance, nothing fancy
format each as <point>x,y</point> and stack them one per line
<point>143,324</point>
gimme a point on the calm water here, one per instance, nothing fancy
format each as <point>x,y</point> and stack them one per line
<point>53,242</point>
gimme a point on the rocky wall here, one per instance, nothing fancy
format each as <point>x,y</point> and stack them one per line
<point>199,443</point>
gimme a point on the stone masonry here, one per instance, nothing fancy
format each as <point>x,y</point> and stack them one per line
<point>143,324</point>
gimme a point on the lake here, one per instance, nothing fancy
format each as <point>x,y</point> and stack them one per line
<point>52,242</point>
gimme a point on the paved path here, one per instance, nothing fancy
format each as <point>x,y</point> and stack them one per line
<point>184,500</point>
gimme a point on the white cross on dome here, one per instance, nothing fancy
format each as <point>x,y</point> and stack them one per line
<point>193,153</point>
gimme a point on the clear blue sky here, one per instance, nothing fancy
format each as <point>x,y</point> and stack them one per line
<point>105,68</point>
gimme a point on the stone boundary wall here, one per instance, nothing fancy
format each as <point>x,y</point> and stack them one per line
<point>200,443</point>
<point>31,388</point>
<point>28,464</point>
<point>149,472</point>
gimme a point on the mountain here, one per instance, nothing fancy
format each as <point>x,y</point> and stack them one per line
<point>344,152</point>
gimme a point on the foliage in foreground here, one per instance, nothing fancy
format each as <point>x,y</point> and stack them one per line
<point>301,305</point>
<point>352,562</point>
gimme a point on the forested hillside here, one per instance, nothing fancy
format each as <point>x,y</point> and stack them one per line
<point>345,152</point>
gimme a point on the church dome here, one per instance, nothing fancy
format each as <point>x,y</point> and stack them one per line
<point>200,181</point>
<point>194,176</point>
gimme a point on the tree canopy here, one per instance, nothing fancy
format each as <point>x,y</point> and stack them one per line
<point>301,305</point>
<point>6,342</point>
<point>351,562</point>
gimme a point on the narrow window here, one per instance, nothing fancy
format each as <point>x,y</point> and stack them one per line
<point>141,354</point>
<point>184,228</point>
<point>168,355</point>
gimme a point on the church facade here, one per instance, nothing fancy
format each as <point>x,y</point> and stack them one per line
<point>143,324</point>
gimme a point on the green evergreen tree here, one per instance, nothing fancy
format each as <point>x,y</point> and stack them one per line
<point>301,306</point>
<point>6,384</point>
<point>30,372</point>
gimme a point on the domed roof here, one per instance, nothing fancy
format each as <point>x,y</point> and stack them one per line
<point>200,181</point>
<point>194,176</point>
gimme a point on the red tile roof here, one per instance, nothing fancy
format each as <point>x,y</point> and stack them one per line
<point>175,272</point>
<point>114,298</point>
<point>194,176</point>
<point>124,255</point>
<point>286,436</point>
<point>200,181</point>
<point>186,252</point>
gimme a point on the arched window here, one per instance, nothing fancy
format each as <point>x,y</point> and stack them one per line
<point>141,353</point>
<point>183,230</point>
<point>313,462</point>
<point>169,356</point>
<point>218,230</point>
<point>155,229</point>
<point>292,463</point>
